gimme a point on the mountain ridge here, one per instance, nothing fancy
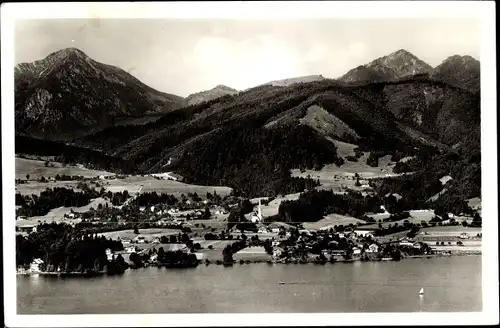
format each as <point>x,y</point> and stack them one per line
<point>69,93</point>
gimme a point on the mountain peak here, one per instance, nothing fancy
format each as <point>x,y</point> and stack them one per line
<point>72,53</point>
<point>462,71</point>
<point>394,66</point>
<point>224,87</point>
<point>218,91</point>
<point>401,52</point>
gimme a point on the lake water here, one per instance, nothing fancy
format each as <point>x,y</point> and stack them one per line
<point>450,284</point>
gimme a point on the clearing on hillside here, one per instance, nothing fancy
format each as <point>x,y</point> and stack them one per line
<point>331,220</point>
<point>36,169</point>
<point>149,184</point>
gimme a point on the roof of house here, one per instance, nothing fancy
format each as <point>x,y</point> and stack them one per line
<point>280,224</point>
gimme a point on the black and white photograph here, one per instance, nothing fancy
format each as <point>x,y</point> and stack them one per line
<point>239,163</point>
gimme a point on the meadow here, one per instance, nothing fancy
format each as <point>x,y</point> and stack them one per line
<point>36,169</point>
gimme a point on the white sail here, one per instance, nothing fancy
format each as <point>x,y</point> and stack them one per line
<point>421,291</point>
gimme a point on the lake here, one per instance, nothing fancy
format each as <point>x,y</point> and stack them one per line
<point>450,284</point>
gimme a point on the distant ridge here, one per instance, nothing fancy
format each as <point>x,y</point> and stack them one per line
<point>214,93</point>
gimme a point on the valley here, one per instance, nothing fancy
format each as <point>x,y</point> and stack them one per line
<point>338,165</point>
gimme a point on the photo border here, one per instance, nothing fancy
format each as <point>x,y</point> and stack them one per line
<point>484,11</point>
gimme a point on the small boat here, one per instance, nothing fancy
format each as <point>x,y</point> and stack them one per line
<point>421,291</point>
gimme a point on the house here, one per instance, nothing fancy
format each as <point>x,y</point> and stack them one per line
<point>277,252</point>
<point>140,239</point>
<point>262,230</point>
<point>406,242</point>
<point>199,256</point>
<point>156,240</point>
<point>281,225</point>
<point>132,249</point>
<point>464,236</point>
<point>27,228</point>
<point>275,243</point>
<point>109,254</point>
<point>173,211</point>
<point>275,230</point>
<point>220,211</point>
<point>373,248</point>
<point>153,257</point>
<point>142,208</point>
<point>356,251</point>
<point>417,245</point>
<point>257,216</point>
<point>35,265</point>
<point>364,233</point>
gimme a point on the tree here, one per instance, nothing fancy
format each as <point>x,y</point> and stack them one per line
<point>136,229</point>
<point>207,214</point>
<point>27,176</point>
<point>136,259</point>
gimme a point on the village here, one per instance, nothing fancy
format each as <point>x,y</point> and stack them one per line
<point>201,227</point>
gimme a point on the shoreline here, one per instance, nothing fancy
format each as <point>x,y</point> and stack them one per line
<point>220,263</point>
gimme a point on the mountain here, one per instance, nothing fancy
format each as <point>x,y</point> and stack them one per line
<point>394,66</point>
<point>67,94</point>
<point>300,79</point>
<point>251,140</point>
<point>218,91</point>
<point>462,71</point>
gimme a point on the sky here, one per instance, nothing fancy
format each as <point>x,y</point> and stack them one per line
<point>182,56</point>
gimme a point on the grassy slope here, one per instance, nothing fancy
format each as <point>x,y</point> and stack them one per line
<point>37,169</point>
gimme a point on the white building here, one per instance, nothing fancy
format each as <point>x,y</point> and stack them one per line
<point>140,239</point>
<point>464,236</point>
<point>35,265</point>
<point>356,251</point>
<point>262,230</point>
<point>132,249</point>
<point>109,254</point>
<point>373,248</point>
<point>257,217</point>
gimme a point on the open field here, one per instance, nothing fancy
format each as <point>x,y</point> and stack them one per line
<point>33,221</point>
<point>273,206</point>
<point>33,187</point>
<point>37,169</point>
<point>330,220</point>
<point>252,254</point>
<point>149,184</point>
<point>57,214</point>
<point>148,234</point>
<point>442,233</point>
<point>332,177</point>
<point>216,244</point>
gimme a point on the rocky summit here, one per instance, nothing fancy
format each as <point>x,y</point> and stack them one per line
<point>394,66</point>
<point>68,93</point>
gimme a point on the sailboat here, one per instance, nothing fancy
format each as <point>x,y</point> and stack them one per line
<point>421,291</point>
